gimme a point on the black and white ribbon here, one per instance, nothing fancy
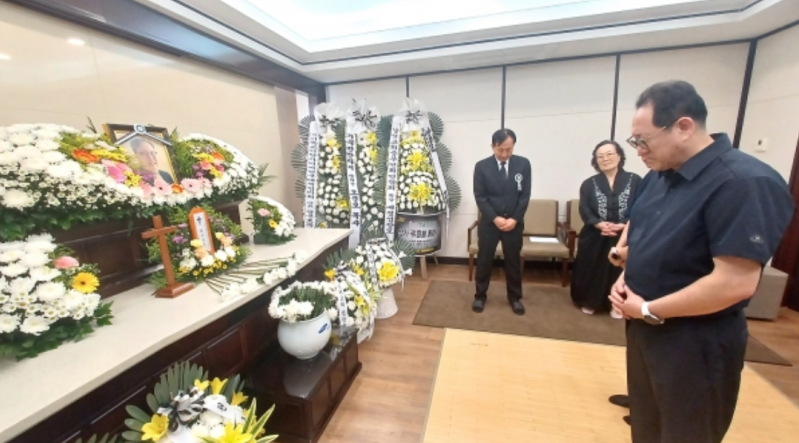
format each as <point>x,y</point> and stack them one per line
<point>392,176</point>
<point>311,176</point>
<point>341,299</point>
<point>352,187</point>
<point>357,285</point>
<point>427,133</point>
<point>361,118</point>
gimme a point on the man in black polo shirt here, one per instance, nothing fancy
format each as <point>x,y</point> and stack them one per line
<point>699,236</point>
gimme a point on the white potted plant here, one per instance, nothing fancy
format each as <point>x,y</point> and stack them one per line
<point>305,311</point>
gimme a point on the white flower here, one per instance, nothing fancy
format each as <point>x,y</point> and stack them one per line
<point>11,256</point>
<point>53,157</point>
<point>34,325</point>
<point>211,419</point>
<point>207,261</point>
<point>13,270</point>
<point>231,291</point>
<point>47,145</point>
<point>91,302</point>
<point>34,259</point>
<point>188,263</point>
<point>351,305</point>
<point>21,139</point>
<point>350,321</point>
<point>249,286</point>
<point>199,430</point>
<point>33,164</point>
<point>9,158</point>
<point>8,323</point>
<point>50,292</point>
<point>14,198</point>
<point>332,313</point>
<point>72,300</point>
<point>220,255</point>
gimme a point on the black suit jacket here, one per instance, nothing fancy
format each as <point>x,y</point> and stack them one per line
<point>497,196</point>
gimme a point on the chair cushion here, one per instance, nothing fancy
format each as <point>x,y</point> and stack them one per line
<point>540,249</point>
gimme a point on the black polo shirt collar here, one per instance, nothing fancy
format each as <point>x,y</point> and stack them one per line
<point>691,168</point>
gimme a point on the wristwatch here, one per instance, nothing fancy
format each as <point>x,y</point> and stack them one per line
<point>649,317</point>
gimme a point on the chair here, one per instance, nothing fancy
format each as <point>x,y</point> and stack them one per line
<point>574,222</point>
<point>767,299</point>
<point>546,237</point>
<point>471,245</point>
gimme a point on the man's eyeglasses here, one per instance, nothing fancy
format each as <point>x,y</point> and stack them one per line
<point>641,143</point>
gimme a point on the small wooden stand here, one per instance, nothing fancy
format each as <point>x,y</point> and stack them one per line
<point>173,288</point>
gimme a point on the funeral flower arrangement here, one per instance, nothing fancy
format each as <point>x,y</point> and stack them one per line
<point>54,176</point>
<point>46,297</point>
<point>348,273</point>
<point>320,163</point>
<point>389,262</point>
<point>303,301</point>
<point>362,152</point>
<point>192,261</point>
<point>187,407</point>
<point>273,222</point>
<point>417,162</point>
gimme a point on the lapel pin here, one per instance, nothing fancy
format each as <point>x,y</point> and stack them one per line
<point>518,182</point>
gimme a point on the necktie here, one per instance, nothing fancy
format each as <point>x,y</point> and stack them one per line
<point>502,170</point>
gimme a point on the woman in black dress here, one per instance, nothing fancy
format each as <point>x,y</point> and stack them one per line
<point>603,204</point>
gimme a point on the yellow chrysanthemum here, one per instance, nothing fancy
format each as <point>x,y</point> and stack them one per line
<point>388,271</point>
<point>238,398</point>
<point>219,235</point>
<point>373,155</point>
<point>343,203</point>
<point>371,137</point>
<point>337,162</point>
<point>323,225</point>
<point>118,156</point>
<point>330,274</point>
<point>332,143</point>
<point>234,434</point>
<point>196,243</point>
<point>358,270</point>
<point>85,282</point>
<point>215,172</point>
<point>132,179</point>
<point>156,429</point>
<point>417,160</point>
<point>217,385</point>
<point>272,224</point>
<point>204,157</point>
<point>201,385</point>
<point>421,192</point>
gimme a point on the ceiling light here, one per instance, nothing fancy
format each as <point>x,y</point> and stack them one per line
<point>5,57</point>
<point>76,42</point>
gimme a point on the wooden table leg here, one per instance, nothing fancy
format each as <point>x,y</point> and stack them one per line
<point>423,264</point>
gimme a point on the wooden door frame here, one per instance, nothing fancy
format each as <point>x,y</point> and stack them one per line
<point>786,258</point>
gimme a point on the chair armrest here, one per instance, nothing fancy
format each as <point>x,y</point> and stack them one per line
<point>569,236</point>
<point>469,234</point>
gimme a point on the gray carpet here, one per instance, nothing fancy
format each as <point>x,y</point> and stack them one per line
<point>550,314</point>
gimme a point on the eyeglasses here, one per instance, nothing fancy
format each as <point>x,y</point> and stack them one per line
<point>606,156</point>
<point>641,143</point>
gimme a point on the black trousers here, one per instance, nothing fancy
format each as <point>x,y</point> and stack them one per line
<point>684,377</point>
<point>488,236</point>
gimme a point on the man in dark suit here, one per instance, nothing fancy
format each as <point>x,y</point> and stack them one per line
<point>502,189</point>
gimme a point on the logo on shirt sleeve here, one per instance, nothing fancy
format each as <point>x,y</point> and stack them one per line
<point>757,239</point>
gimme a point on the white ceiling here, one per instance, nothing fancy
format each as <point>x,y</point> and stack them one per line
<point>345,40</point>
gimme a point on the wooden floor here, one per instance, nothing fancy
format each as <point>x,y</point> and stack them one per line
<point>390,398</point>
<point>553,391</point>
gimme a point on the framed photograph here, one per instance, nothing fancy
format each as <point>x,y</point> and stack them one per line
<point>151,153</point>
<point>201,228</point>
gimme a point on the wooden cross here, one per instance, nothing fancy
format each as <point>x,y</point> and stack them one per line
<point>173,288</point>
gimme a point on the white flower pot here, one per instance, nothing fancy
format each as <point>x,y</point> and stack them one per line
<point>386,305</point>
<point>304,339</point>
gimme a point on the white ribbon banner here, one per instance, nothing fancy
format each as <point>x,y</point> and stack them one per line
<point>357,284</point>
<point>354,192</point>
<point>427,133</point>
<point>341,301</point>
<point>392,175</point>
<point>370,255</point>
<point>311,174</point>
